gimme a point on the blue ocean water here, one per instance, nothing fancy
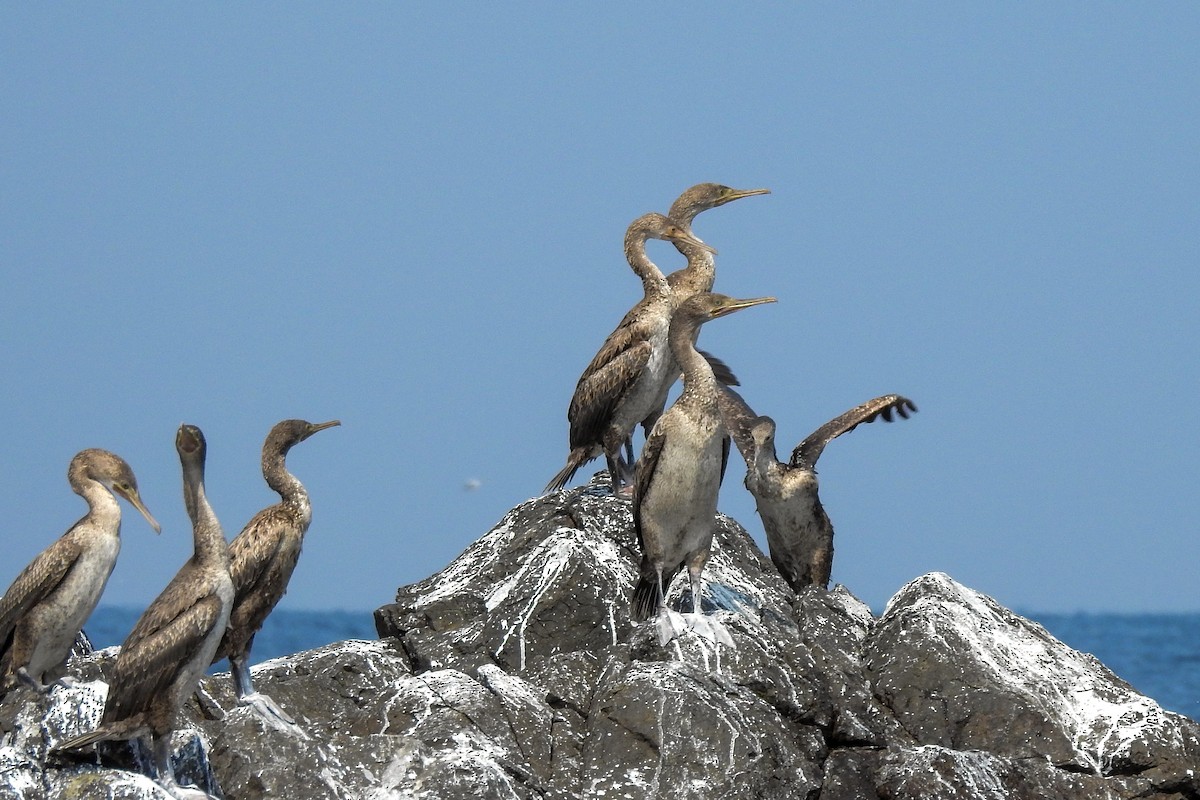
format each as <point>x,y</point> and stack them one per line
<point>1159,654</point>
<point>285,632</point>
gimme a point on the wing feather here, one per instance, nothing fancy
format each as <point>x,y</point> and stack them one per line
<point>601,390</point>
<point>643,477</point>
<point>153,654</point>
<point>738,418</point>
<point>41,577</point>
<point>808,451</point>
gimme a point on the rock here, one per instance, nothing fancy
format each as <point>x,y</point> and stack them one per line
<point>516,672</point>
<point>959,671</point>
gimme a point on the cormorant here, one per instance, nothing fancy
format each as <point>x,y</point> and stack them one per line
<point>47,604</point>
<point>619,387</point>
<point>172,644</point>
<point>677,478</point>
<point>799,533</point>
<point>697,276</point>
<point>263,556</point>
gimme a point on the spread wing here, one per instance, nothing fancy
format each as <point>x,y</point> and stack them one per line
<point>164,640</point>
<point>808,451</point>
<point>41,577</point>
<point>738,418</point>
<point>606,382</point>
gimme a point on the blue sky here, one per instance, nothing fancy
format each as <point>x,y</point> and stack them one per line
<point>410,218</point>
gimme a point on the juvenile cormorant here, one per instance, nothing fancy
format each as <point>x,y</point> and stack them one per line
<point>679,473</point>
<point>263,556</point>
<point>799,533</point>
<point>697,276</point>
<point>47,604</point>
<point>619,387</point>
<point>172,644</point>
<point>701,269</point>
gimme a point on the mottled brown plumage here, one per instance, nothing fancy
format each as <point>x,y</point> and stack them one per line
<point>49,601</point>
<point>263,556</point>
<point>619,387</point>
<point>679,473</point>
<point>698,276</point>
<point>701,270</point>
<point>172,644</point>
<point>799,533</point>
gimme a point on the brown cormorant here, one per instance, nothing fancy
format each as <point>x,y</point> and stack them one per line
<point>701,270</point>
<point>620,386</point>
<point>697,276</point>
<point>677,478</point>
<point>47,604</point>
<point>799,533</point>
<point>172,644</point>
<point>263,556</point>
<point>49,601</point>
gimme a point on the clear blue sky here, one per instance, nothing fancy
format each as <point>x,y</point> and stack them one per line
<point>409,217</point>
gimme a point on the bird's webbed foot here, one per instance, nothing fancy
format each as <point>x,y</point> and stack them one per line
<point>164,771</point>
<point>171,787</point>
<point>270,713</point>
<point>67,682</point>
<point>670,625</point>
<point>709,628</point>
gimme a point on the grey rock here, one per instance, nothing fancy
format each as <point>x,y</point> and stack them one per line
<point>960,671</point>
<point>516,672</point>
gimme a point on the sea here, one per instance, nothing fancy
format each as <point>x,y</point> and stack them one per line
<point>1158,654</point>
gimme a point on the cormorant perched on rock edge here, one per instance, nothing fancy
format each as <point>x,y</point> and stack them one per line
<point>173,643</point>
<point>679,474</point>
<point>45,607</point>
<point>619,387</point>
<point>263,556</point>
<point>799,533</point>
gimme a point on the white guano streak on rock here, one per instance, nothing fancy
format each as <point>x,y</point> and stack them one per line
<point>1101,729</point>
<point>977,769</point>
<point>545,565</point>
<point>548,561</point>
<point>462,573</point>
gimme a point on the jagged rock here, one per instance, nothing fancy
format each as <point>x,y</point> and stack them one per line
<point>34,723</point>
<point>960,671</point>
<point>516,672</point>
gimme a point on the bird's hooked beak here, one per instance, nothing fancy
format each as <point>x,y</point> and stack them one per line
<point>313,427</point>
<point>738,194</point>
<point>738,305</point>
<point>136,501</point>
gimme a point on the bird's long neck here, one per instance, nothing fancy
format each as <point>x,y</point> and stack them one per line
<point>208,538</point>
<point>287,485</point>
<point>764,457</point>
<point>103,510</point>
<point>700,272</point>
<point>653,281</point>
<point>699,384</point>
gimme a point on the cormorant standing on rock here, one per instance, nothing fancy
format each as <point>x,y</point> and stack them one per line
<point>619,387</point>
<point>263,556</point>
<point>47,604</point>
<point>799,533</point>
<point>173,643</point>
<point>678,476</point>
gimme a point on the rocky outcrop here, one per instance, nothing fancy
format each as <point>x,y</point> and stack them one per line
<point>517,673</point>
